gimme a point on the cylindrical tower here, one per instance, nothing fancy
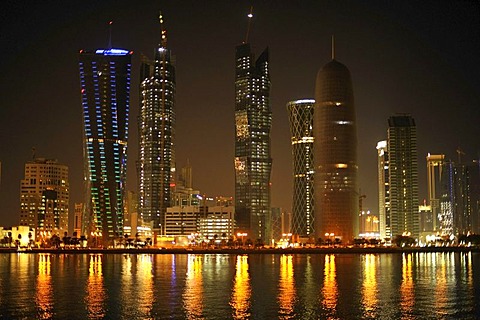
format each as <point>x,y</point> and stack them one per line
<point>336,205</point>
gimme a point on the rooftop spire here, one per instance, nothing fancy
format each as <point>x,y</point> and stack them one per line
<point>110,34</point>
<point>250,16</point>
<point>333,47</point>
<point>163,41</point>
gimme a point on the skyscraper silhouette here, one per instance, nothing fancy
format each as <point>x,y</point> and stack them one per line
<point>105,92</point>
<point>253,161</point>
<point>300,114</point>
<point>156,163</point>
<point>336,196</point>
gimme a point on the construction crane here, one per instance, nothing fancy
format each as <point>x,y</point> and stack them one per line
<point>459,154</point>
<point>360,202</point>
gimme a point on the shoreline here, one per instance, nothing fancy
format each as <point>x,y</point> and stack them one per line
<point>240,251</point>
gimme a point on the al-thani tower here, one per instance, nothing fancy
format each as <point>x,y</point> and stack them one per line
<point>335,154</point>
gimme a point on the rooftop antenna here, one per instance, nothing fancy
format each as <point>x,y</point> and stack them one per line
<point>250,16</point>
<point>33,153</point>
<point>333,47</point>
<point>110,34</point>
<point>163,41</point>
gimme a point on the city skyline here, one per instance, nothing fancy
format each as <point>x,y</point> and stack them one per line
<point>425,68</point>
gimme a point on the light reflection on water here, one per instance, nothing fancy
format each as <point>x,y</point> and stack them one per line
<point>286,294</point>
<point>330,290</point>
<point>96,296</point>
<point>115,286</point>
<point>407,296</point>
<point>193,294</point>
<point>241,289</point>
<point>44,290</point>
<point>369,289</point>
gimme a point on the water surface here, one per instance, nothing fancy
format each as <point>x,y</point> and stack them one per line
<point>255,286</point>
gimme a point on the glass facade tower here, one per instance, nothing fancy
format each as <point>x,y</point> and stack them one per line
<point>459,198</point>
<point>403,175</point>
<point>334,124</point>
<point>156,163</point>
<point>434,176</point>
<point>253,162</point>
<point>105,93</point>
<point>300,114</point>
<point>384,191</point>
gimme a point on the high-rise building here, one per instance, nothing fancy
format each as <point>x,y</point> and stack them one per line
<point>434,175</point>
<point>105,87</point>
<point>384,191</point>
<point>156,165</point>
<point>474,181</point>
<point>301,127</point>
<point>403,175</point>
<point>460,198</point>
<point>253,162</point>
<point>447,199</point>
<point>334,130</point>
<point>44,197</point>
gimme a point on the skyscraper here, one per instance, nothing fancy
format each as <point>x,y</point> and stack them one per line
<point>44,197</point>
<point>156,163</point>
<point>447,199</point>
<point>105,91</point>
<point>301,127</point>
<point>384,191</point>
<point>253,162</point>
<point>459,198</point>
<point>403,175</point>
<point>434,175</point>
<point>334,130</point>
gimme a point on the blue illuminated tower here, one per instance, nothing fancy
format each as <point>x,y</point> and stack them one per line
<point>105,91</point>
<point>156,125</point>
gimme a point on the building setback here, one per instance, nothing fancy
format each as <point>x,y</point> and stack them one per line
<point>403,176</point>
<point>44,197</point>
<point>335,154</point>
<point>253,162</point>
<point>105,93</point>
<point>301,127</point>
<point>156,165</point>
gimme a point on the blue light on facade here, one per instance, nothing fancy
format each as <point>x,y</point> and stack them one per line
<point>113,52</point>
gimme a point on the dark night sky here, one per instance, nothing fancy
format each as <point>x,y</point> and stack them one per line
<point>417,57</point>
